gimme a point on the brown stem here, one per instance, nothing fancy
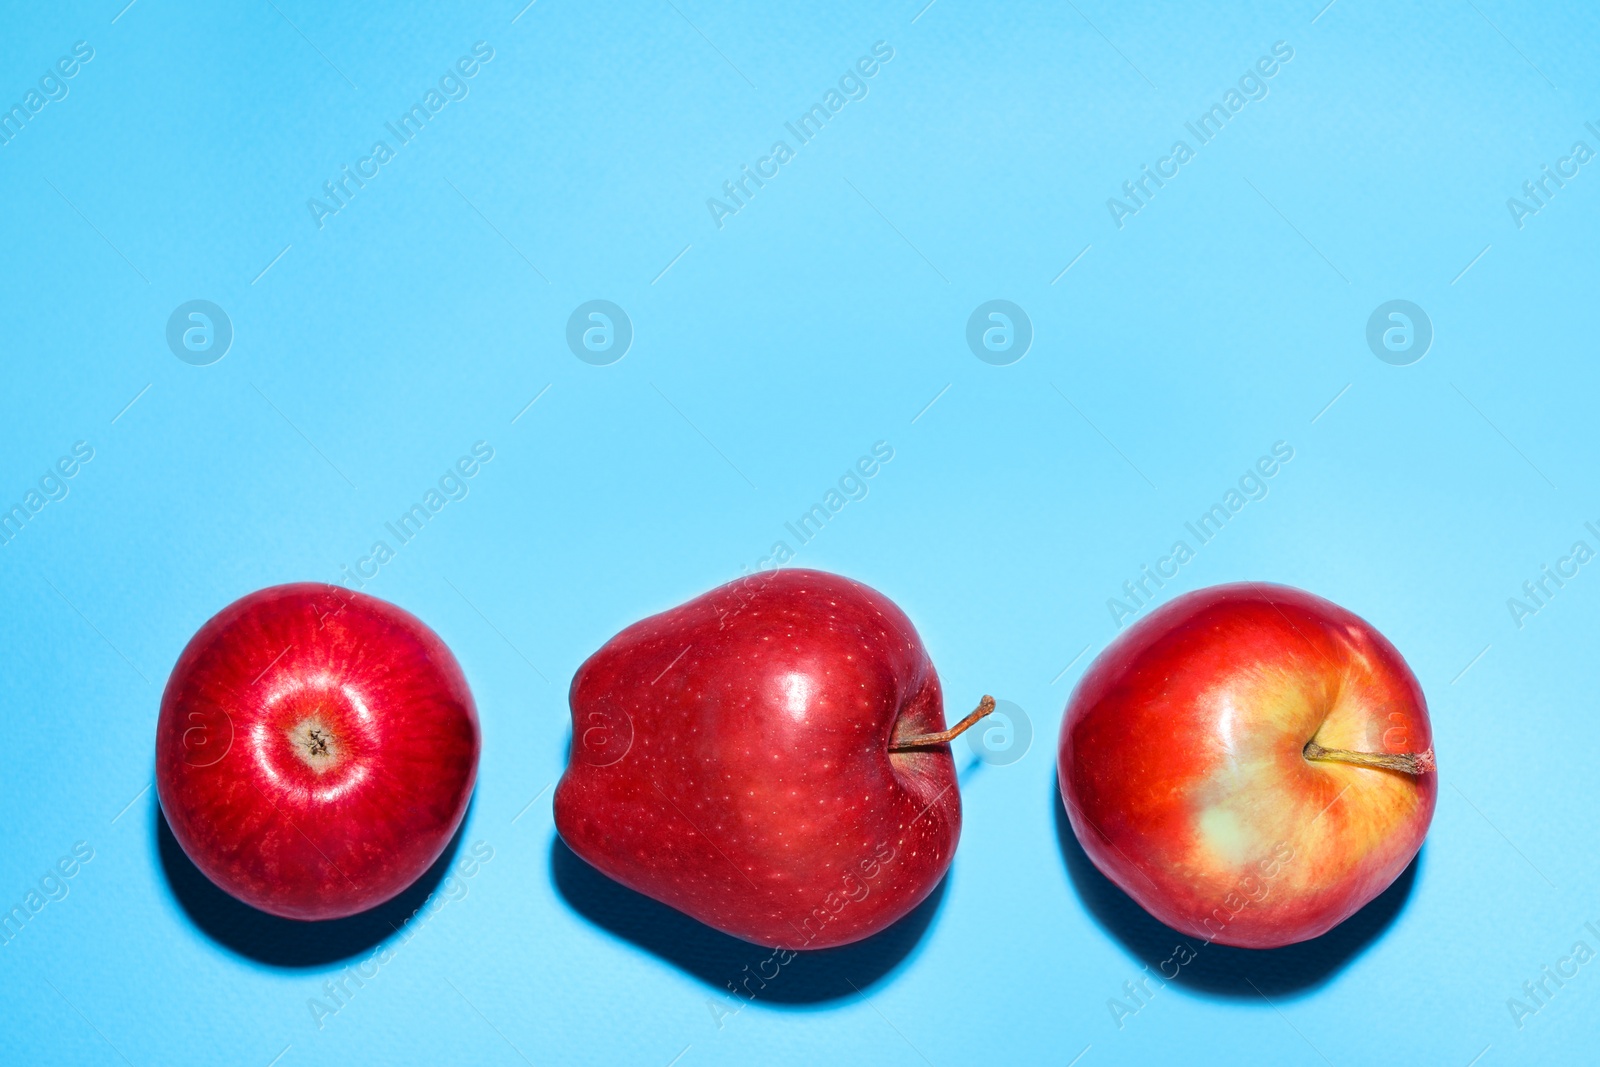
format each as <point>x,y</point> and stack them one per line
<point>1415,763</point>
<point>985,706</point>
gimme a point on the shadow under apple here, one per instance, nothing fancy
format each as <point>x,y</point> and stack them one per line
<point>720,960</point>
<point>1222,970</point>
<point>279,942</point>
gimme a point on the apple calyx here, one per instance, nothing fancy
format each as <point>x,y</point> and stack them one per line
<point>985,706</point>
<point>317,746</point>
<point>1413,763</point>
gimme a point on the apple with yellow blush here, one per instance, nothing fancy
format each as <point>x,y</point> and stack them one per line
<point>1251,763</point>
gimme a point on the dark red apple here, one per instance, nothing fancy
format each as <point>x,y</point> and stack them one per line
<point>316,750</point>
<point>1250,763</point>
<point>770,758</point>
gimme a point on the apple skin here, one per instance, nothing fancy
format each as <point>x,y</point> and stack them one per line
<point>316,750</point>
<point>1182,766</point>
<point>730,758</point>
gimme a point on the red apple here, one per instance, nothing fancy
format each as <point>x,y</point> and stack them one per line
<point>1250,763</point>
<point>770,758</point>
<point>316,750</point>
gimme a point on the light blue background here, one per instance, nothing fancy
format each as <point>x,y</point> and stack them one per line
<point>823,317</point>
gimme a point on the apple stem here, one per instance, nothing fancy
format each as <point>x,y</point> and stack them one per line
<point>1414,763</point>
<point>985,706</point>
